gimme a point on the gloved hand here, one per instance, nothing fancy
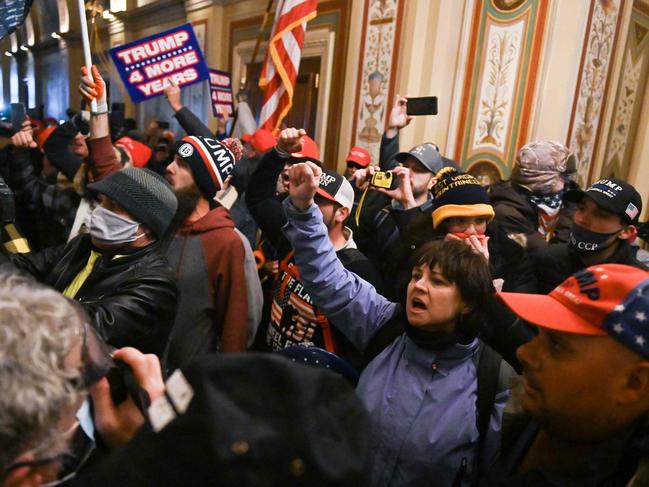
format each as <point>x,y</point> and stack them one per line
<point>94,89</point>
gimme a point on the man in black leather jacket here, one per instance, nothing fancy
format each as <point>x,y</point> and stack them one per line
<point>118,272</point>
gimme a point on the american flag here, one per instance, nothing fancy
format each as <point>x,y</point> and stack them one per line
<point>282,63</point>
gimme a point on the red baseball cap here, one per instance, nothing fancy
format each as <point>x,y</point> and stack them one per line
<point>359,156</point>
<point>607,299</point>
<point>262,140</point>
<point>309,151</point>
<point>138,152</point>
<point>44,135</point>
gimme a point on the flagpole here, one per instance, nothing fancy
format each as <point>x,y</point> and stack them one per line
<point>255,51</point>
<point>86,45</point>
<point>261,31</point>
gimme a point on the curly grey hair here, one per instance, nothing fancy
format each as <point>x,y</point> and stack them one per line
<point>38,329</point>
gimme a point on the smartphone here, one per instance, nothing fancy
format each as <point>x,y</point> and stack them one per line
<point>163,125</point>
<point>18,115</point>
<point>425,105</point>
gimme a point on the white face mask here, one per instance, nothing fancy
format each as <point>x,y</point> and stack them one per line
<point>108,227</point>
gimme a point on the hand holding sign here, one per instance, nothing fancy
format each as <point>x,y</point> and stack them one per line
<point>94,88</point>
<point>172,93</point>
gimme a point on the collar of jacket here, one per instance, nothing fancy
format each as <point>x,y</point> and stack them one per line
<point>444,360</point>
<point>218,217</point>
<point>126,256</point>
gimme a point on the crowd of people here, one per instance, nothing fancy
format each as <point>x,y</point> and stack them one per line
<point>194,309</point>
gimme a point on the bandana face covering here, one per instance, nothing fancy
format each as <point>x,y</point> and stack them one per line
<point>110,228</point>
<point>584,241</point>
<point>547,209</point>
<point>549,201</point>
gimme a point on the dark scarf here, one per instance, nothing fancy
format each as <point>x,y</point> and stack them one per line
<point>440,340</point>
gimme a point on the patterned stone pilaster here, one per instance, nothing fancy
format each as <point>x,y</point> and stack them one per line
<point>592,84</point>
<point>503,59</point>
<point>629,97</point>
<point>376,72</point>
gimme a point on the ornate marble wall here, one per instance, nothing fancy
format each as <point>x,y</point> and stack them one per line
<point>505,45</point>
<point>629,97</point>
<point>593,83</point>
<point>376,72</point>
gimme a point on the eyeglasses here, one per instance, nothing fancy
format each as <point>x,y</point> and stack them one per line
<point>72,462</point>
<point>96,361</point>
<point>96,358</point>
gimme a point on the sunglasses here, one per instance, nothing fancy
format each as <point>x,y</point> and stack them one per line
<point>353,165</point>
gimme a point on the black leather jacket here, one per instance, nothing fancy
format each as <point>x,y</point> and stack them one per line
<point>130,298</point>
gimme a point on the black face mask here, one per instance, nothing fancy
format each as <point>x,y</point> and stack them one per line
<point>586,242</point>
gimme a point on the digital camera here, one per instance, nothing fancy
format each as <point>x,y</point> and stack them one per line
<point>385,180</point>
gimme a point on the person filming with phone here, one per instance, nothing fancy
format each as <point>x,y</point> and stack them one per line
<point>406,186</point>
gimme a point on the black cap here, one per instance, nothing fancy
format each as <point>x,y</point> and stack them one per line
<point>245,420</point>
<point>427,154</point>
<point>612,194</point>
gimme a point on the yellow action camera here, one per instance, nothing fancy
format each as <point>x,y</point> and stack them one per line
<point>385,180</point>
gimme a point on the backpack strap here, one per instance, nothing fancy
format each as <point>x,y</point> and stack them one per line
<point>381,217</point>
<point>492,377</point>
<point>349,256</point>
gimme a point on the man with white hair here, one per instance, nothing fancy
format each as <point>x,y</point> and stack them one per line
<point>49,357</point>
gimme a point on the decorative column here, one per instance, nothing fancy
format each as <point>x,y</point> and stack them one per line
<point>593,82</point>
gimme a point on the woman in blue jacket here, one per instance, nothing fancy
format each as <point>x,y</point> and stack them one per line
<point>421,389</point>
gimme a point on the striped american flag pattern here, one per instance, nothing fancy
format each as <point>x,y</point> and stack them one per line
<point>282,63</point>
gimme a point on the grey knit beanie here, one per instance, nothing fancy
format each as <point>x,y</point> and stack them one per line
<point>144,194</point>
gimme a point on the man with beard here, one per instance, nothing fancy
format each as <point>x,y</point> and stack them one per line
<point>604,225</point>
<point>382,236</point>
<point>218,294</point>
<point>294,319</point>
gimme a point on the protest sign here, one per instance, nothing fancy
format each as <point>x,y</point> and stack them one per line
<point>221,93</point>
<point>145,64</point>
